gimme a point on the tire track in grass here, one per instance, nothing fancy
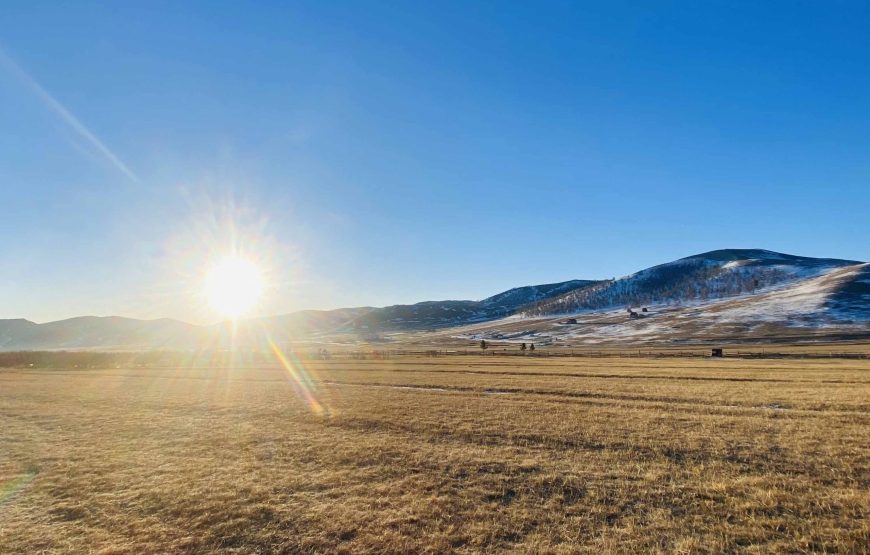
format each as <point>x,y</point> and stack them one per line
<point>662,401</point>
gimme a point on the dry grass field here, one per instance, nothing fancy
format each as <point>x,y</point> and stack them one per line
<point>459,454</point>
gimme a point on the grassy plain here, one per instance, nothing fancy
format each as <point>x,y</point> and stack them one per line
<point>453,454</point>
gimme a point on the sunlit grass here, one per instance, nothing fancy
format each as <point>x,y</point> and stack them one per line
<point>436,455</point>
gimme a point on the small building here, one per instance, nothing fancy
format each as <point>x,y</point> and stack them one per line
<point>633,314</point>
<point>717,353</point>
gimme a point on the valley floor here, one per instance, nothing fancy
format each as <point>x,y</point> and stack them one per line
<point>463,454</point>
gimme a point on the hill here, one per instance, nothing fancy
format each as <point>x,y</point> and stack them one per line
<point>702,277</point>
<point>824,302</point>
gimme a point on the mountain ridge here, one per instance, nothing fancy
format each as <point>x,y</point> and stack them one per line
<point>705,278</point>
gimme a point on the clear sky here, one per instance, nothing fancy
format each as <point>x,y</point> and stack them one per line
<point>389,152</point>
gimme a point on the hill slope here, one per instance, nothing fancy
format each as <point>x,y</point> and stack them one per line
<point>833,305</point>
<point>702,277</point>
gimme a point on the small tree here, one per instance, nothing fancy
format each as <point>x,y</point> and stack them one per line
<point>483,344</point>
<point>532,347</point>
<point>523,347</point>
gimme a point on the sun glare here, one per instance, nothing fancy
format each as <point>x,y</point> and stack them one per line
<point>233,286</point>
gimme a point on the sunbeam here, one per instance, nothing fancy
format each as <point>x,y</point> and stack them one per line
<point>67,116</point>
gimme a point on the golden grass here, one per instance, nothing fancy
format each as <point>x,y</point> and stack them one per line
<point>465,454</point>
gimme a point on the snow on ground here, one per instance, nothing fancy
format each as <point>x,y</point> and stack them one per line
<point>736,263</point>
<point>803,299</point>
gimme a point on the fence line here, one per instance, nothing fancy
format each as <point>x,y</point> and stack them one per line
<point>42,359</point>
<point>541,353</point>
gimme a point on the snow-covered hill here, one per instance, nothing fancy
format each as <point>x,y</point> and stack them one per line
<point>703,277</point>
<point>832,304</point>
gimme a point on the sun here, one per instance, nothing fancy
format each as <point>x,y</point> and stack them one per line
<point>233,286</point>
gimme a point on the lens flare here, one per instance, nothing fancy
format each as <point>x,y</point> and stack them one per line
<point>12,487</point>
<point>303,384</point>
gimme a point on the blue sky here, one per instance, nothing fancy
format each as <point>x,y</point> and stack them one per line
<point>380,153</point>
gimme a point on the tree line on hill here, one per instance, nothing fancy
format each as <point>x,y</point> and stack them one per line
<point>668,286</point>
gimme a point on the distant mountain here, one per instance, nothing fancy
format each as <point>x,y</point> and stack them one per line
<point>723,293</point>
<point>111,332</point>
<point>15,332</point>
<point>365,323</point>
